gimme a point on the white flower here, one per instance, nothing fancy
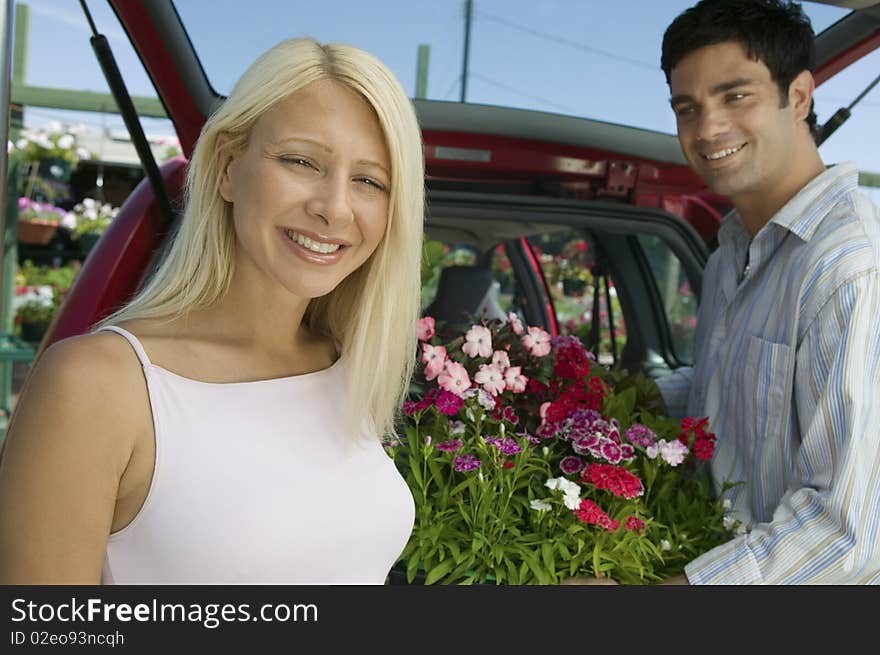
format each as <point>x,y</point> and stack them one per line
<point>43,141</point>
<point>726,503</point>
<point>552,483</point>
<point>21,144</point>
<point>69,221</point>
<point>485,399</point>
<point>54,126</point>
<point>729,522</point>
<point>83,153</point>
<point>572,501</point>
<point>540,505</point>
<point>665,545</point>
<point>545,451</point>
<point>66,141</point>
<point>456,427</point>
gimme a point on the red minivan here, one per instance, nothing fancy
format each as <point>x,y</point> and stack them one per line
<point>580,226</point>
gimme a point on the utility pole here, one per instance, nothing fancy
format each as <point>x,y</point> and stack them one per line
<point>468,13</point>
<point>422,71</point>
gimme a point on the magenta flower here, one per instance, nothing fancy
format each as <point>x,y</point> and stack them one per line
<point>571,465</point>
<point>450,446</point>
<point>507,445</point>
<point>478,342</point>
<point>515,380</point>
<point>611,452</point>
<point>465,463</point>
<point>434,358</point>
<point>454,378</point>
<point>640,435</point>
<point>448,403</point>
<point>491,378</point>
<point>426,328</point>
<point>537,341</point>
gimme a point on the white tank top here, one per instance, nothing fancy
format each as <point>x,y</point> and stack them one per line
<point>258,483</point>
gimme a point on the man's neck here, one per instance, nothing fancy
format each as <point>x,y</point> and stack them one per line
<point>757,209</point>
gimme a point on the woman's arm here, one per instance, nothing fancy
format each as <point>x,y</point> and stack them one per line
<point>66,449</point>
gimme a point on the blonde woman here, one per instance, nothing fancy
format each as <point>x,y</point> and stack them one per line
<point>223,427</point>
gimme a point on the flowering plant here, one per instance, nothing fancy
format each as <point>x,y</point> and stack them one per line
<point>89,217</point>
<point>31,210</point>
<point>34,304</point>
<point>531,463</point>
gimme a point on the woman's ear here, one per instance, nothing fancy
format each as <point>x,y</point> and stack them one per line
<point>227,167</point>
<point>800,94</point>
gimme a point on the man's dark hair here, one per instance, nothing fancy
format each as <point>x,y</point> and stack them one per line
<point>775,32</point>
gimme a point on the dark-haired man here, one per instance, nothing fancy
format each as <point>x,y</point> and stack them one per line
<point>787,348</point>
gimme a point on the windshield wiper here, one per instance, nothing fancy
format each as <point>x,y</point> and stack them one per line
<point>841,115</point>
<point>129,115</point>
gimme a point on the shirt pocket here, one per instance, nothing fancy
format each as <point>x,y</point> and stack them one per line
<point>768,389</point>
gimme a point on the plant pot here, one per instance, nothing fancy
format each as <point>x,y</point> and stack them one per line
<point>87,241</point>
<point>36,231</point>
<point>33,332</point>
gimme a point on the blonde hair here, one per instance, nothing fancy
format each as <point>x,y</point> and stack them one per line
<point>372,313</point>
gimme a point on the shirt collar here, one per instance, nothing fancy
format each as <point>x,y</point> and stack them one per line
<point>804,212</point>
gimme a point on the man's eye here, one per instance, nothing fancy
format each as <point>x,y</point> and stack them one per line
<point>736,97</point>
<point>683,110</point>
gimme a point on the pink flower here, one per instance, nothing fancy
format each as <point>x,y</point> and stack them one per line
<point>501,360</point>
<point>491,378</point>
<point>434,358</point>
<point>514,380</point>
<point>673,453</point>
<point>478,342</point>
<point>537,341</point>
<point>454,378</point>
<point>426,328</point>
<point>515,323</point>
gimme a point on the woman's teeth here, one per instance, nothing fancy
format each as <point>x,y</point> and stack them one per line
<point>724,153</point>
<point>309,244</point>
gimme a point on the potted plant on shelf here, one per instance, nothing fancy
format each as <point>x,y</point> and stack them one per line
<point>49,154</point>
<point>37,221</point>
<point>88,221</point>
<point>34,309</point>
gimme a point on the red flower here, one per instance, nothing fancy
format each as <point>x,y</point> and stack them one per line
<point>615,479</point>
<point>704,447</point>
<point>590,513</point>
<point>634,524</point>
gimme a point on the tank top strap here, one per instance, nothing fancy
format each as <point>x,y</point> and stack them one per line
<point>133,340</point>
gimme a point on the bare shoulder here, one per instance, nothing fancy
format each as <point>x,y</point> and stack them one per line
<point>76,425</point>
<point>90,387</point>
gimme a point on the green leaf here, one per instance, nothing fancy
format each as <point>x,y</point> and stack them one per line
<point>439,571</point>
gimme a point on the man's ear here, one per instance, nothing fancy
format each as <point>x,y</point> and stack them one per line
<point>800,94</point>
<point>226,161</point>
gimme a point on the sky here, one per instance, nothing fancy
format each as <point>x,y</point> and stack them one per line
<point>589,58</point>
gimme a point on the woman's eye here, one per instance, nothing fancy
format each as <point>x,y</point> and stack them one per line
<point>373,183</point>
<point>298,161</point>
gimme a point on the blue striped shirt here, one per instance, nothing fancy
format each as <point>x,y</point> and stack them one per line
<point>787,353</point>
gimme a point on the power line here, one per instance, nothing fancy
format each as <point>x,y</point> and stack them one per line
<point>520,93</point>
<point>558,40</point>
